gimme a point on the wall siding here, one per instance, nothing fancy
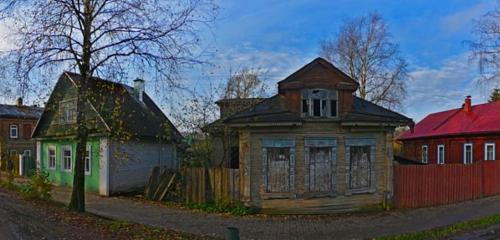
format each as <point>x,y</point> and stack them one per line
<point>131,163</point>
<point>63,178</point>
<point>301,200</point>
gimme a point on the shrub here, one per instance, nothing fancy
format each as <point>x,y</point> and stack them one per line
<point>38,187</point>
<point>9,184</point>
<point>223,206</point>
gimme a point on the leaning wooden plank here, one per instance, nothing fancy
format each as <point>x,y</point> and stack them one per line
<point>151,187</point>
<point>165,190</point>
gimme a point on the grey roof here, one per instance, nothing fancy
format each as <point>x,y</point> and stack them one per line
<point>274,110</point>
<point>23,112</point>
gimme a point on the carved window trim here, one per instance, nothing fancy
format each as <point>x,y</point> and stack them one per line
<point>325,97</point>
<point>327,142</point>
<point>277,143</point>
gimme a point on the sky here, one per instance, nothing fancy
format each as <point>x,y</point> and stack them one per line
<point>282,36</point>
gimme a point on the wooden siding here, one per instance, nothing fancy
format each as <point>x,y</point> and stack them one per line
<point>453,146</point>
<point>421,186</point>
<point>253,185</point>
<point>23,142</point>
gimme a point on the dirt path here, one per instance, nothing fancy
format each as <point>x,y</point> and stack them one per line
<point>354,226</point>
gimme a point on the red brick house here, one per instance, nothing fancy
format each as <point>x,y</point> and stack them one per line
<point>464,135</point>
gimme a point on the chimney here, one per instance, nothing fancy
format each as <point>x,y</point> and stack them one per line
<point>19,101</point>
<point>468,104</point>
<point>139,87</point>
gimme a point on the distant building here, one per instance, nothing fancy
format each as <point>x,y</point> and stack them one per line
<point>128,135</point>
<point>463,135</point>
<point>16,125</point>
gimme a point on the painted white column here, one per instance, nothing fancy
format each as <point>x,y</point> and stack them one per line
<point>38,154</point>
<point>104,167</point>
<point>21,165</point>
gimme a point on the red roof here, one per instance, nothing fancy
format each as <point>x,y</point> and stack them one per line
<point>484,118</point>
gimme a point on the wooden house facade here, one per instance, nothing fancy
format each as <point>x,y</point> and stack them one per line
<point>315,147</point>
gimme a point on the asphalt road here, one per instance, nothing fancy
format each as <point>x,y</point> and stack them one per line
<point>18,220</point>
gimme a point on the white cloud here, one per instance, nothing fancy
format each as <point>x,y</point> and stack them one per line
<point>442,88</point>
<point>455,22</point>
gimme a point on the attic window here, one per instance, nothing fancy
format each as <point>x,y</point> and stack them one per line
<point>67,111</point>
<point>319,103</point>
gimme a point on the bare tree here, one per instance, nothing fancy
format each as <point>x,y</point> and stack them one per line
<point>486,45</point>
<point>363,48</point>
<point>245,83</point>
<point>105,37</point>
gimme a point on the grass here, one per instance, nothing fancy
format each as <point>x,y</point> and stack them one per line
<point>232,208</point>
<point>447,231</point>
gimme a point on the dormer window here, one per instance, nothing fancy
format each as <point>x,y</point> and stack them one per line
<point>319,103</point>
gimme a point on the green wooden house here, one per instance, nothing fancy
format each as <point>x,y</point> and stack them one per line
<point>128,135</point>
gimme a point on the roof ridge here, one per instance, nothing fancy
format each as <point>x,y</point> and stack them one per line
<point>447,119</point>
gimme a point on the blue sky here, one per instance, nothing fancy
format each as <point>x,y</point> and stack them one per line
<point>281,36</point>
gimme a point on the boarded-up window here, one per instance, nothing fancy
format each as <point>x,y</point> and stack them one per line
<point>27,131</point>
<point>320,161</point>
<point>278,165</point>
<point>360,155</point>
<point>360,167</point>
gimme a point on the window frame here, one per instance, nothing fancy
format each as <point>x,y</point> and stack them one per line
<point>12,127</point>
<point>63,159</point>
<point>12,152</point>
<point>471,153</point>
<point>325,103</point>
<point>486,145</point>
<point>27,151</point>
<point>88,157</point>
<point>49,166</point>
<point>438,155</point>
<point>426,147</point>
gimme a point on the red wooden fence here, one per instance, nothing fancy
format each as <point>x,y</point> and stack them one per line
<point>420,186</point>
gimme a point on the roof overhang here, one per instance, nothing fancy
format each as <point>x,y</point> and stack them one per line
<point>266,124</point>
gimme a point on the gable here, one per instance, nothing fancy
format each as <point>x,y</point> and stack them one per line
<point>317,74</point>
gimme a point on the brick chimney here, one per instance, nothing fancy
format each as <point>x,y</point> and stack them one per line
<point>19,101</point>
<point>139,88</point>
<point>468,104</point>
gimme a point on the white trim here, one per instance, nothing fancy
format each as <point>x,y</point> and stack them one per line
<point>48,157</point>
<point>426,154</point>
<point>63,148</point>
<point>89,149</point>
<point>13,127</point>
<point>27,151</point>
<point>471,153</point>
<point>486,145</point>
<point>104,167</point>
<point>38,155</point>
<point>438,159</point>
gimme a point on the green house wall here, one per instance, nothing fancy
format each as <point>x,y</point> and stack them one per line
<point>65,178</point>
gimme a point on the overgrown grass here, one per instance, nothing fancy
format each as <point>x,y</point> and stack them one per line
<point>224,206</point>
<point>447,231</point>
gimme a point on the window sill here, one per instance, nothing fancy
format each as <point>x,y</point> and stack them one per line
<point>309,195</point>
<point>361,191</point>
<point>277,195</point>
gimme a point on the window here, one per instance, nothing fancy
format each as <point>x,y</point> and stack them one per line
<point>425,154</point>
<point>319,103</point>
<point>67,111</point>
<point>235,158</point>
<point>13,152</point>
<point>440,154</point>
<point>27,153</point>
<point>51,158</point>
<point>88,159</point>
<point>320,155</point>
<point>278,156</point>
<point>66,158</point>
<point>468,153</point>
<point>489,151</point>
<point>14,131</point>
<point>27,131</point>
<point>360,167</point>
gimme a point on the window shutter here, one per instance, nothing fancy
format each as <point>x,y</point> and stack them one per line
<point>264,168</point>
<point>292,169</point>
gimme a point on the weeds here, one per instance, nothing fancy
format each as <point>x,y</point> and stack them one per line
<point>223,206</point>
<point>38,187</point>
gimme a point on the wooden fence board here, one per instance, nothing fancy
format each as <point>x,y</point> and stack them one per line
<point>204,185</point>
<point>420,186</point>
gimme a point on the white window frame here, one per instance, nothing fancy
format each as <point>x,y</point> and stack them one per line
<point>439,160</point>
<point>486,145</point>
<point>471,153</point>
<point>27,151</point>
<point>426,159</point>
<point>49,166</point>
<point>63,160</point>
<point>89,159</point>
<point>16,128</point>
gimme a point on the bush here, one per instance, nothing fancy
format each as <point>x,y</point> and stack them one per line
<point>9,184</point>
<point>223,206</point>
<point>38,187</point>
